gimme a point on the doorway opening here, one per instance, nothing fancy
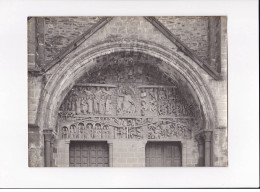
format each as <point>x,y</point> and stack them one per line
<point>88,154</point>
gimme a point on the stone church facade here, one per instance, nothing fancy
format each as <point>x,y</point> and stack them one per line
<point>127,91</point>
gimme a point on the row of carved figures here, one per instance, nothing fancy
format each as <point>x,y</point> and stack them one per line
<point>90,104</point>
<point>153,101</point>
<point>99,131</point>
<point>90,131</point>
<point>160,131</point>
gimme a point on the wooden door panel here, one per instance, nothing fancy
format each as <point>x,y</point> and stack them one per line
<point>163,154</point>
<point>88,154</point>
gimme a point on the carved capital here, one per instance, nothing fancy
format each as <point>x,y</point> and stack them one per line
<point>199,139</point>
<point>110,142</point>
<point>207,136</point>
<point>48,135</point>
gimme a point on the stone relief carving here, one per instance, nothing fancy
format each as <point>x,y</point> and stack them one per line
<point>125,101</point>
<point>121,103</point>
<point>174,129</point>
<point>128,128</point>
<point>88,100</point>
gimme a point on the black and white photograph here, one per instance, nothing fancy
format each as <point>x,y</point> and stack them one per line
<point>127,91</point>
<point>123,94</point>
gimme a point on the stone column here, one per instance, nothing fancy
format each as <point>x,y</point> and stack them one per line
<point>51,151</point>
<point>110,149</point>
<point>207,140</point>
<point>201,150</point>
<point>184,153</point>
<point>66,160</point>
<point>48,136</point>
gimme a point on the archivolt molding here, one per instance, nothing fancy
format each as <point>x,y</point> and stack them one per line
<point>79,61</point>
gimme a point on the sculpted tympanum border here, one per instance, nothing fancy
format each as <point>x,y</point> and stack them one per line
<point>132,103</point>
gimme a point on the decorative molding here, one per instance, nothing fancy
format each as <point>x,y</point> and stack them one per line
<point>33,126</point>
<point>39,51</point>
<point>168,34</point>
<point>207,135</point>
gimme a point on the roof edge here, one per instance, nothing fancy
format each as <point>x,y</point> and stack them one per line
<point>77,42</point>
<point>169,35</point>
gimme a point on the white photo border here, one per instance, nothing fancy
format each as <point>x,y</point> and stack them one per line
<point>243,98</point>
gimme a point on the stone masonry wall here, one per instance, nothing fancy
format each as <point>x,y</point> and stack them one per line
<point>31,43</point>
<point>35,147</point>
<point>192,153</point>
<point>60,31</point>
<point>61,153</point>
<point>220,137</point>
<point>193,31</point>
<point>34,92</point>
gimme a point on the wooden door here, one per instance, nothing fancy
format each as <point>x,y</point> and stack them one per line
<point>88,154</point>
<point>163,154</point>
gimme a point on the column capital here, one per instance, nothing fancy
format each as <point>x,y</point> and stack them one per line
<point>207,135</point>
<point>110,141</point>
<point>48,134</point>
<point>199,138</point>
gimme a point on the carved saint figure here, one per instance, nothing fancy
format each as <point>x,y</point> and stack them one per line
<point>89,100</point>
<point>84,105</point>
<point>89,131</point>
<point>81,128</point>
<point>73,131</point>
<point>78,104</point>
<point>102,104</point>
<point>90,103</point>
<point>98,131</point>
<point>105,132</point>
<point>65,132</point>
<point>97,100</point>
<point>108,104</point>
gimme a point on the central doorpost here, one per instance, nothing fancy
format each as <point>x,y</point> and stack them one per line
<point>163,154</point>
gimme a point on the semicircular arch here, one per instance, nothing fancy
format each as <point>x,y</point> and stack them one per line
<point>79,61</point>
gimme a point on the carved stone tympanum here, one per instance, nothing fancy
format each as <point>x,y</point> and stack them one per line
<point>125,100</point>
